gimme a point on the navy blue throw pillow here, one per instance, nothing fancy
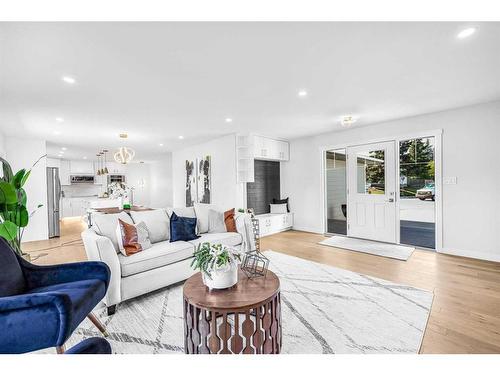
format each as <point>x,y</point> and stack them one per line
<point>182,228</point>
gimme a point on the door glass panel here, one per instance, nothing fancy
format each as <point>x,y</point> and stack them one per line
<point>371,172</point>
<point>417,192</point>
<point>336,192</point>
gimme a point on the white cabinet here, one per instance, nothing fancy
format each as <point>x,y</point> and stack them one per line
<point>72,207</point>
<point>283,150</point>
<point>66,207</point>
<point>81,167</point>
<point>270,149</point>
<point>274,223</point>
<point>64,172</point>
<point>250,147</point>
<point>116,168</point>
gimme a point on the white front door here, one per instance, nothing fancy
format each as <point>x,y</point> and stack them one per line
<point>371,207</point>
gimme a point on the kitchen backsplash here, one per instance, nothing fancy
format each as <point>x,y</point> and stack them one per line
<point>81,190</point>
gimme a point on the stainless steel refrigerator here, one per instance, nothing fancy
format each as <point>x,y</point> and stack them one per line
<point>53,201</point>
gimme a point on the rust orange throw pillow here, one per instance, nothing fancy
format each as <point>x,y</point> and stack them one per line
<point>135,238</point>
<point>229,220</point>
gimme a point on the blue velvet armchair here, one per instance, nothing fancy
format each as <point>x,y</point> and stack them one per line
<point>93,345</point>
<point>41,306</point>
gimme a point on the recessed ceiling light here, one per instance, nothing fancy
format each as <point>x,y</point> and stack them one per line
<point>181,137</point>
<point>85,158</point>
<point>63,148</point>
<point>228,119</point>
<point>347,121</point>
<point>69,80</point>
<point>302,93</point>
<point>161,144</point>
<point>57,132</point>
<point>59,119</point>
<point>465,33</point>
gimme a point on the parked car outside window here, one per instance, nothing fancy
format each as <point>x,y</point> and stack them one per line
<point>427,192</point>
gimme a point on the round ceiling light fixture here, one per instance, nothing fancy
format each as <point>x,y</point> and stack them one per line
<point>124,155</point>
<point>302,93</point>
<point>68,79</point>
<point>465,33</point>
<point>347,121</point>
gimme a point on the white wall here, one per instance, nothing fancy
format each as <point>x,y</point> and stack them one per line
<point>471,208</point>
<point>22,153</point>
<point>2,145</point>
<point>139,178</point>
<point>161,185</point>
<point>226,193</point>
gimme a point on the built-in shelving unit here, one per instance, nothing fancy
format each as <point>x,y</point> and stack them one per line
<point>244,158</point>
<point>250,147</point>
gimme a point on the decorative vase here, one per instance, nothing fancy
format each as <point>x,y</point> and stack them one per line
<point>222,278</point>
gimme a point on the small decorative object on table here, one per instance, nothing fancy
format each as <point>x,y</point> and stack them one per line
<point>255,264</point>
<point>218,265</point>
<point>256,232</point>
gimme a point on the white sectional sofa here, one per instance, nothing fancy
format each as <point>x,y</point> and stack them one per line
<point>163,264</point>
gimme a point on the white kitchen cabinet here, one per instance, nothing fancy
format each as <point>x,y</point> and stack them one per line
<point>53,163</point>
<point>64,172</point>
<point>66,208</point>
<point>274,223</point>
<point>81,167</point>
<point>116,168</point>
<point>72,207</point>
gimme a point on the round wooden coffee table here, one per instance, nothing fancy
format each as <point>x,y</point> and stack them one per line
<point>243,319</point>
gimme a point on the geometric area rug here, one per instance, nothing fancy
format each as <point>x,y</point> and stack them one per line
<point>324,310</point>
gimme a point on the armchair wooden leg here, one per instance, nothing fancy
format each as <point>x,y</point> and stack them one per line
<point>60,349</point>
<point>98,324</point>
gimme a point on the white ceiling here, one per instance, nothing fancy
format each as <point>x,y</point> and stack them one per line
<point>157,81</point>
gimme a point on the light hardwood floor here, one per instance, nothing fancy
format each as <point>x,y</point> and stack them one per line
<point>465,316</point>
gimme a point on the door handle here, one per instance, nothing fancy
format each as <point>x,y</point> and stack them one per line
<point>390,200</point>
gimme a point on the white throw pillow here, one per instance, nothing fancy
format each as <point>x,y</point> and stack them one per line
<point>182,211</point>
<point>105,225</point>
<point>216,222</point>
<point>278,208</point>
<point>142,237</point>
<point>201,210</point>
<point>156,221</point>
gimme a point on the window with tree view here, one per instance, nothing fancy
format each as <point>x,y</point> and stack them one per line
<point>416,166</point>
<point>371,172</point>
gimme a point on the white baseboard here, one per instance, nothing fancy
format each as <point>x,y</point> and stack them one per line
<point>472,254</point>
<point>276,231</point>
<point>307,229</point>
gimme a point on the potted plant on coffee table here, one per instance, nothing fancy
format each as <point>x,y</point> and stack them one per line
<point>218,265</point>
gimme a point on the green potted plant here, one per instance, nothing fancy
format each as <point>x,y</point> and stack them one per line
<point>218,265</point>
<point>14,216</point>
